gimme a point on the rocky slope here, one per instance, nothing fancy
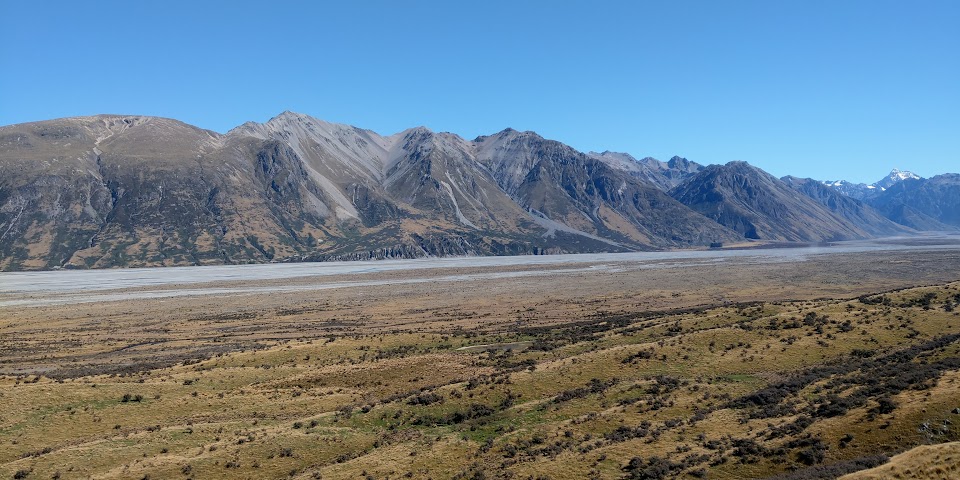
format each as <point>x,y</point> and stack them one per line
<point>116,190</point>
<point>894,177</point>
<point>925,204</point>
<point>851,210</point>
<point>862,191</point>
<point>759,206</point>
<point>665,175</point>
<point>568,189</point>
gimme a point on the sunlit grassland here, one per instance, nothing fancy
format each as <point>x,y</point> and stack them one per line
<point>702,392</point>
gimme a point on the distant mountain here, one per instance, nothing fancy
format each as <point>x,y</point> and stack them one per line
<point>924,204</point>
<point>913,218</point>
<point>120,190</point>
<point>906,198</point>
<point>760,206</point>
<point>896,176</point>
<point>115,190</point>
<point>562,186</point>
<point>112,191</point>
<point>858,191</point>
<point>862,191</point>
<point>664,175</point>
<point>853,211</point>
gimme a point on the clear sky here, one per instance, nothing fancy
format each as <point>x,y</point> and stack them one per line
<point>821,89</point>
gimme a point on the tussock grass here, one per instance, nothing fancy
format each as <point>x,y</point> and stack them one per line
<point>741,390</point>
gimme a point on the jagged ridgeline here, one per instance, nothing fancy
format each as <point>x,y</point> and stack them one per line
<point>109,190</point>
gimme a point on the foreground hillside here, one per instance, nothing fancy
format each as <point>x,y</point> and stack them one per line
<point>817,388</point>
<point>926,462</point>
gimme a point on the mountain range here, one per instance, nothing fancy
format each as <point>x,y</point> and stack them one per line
<point>117,190</point>
<point>862,191</point>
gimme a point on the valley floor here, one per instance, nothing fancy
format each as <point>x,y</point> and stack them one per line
<point>802,366</point>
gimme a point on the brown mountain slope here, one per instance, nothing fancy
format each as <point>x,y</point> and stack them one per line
<point>564,185</point>
<point>111,190</point>
<point>759,206</point>
<point>664,175</point>
<point>854,211</point>
<point>926,203</point>
<point>115,190</point>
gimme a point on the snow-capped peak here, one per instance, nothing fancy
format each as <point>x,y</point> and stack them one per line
<point>896,176</point>
<point>902,175</point>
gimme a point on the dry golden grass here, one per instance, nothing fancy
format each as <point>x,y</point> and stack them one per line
<point>576,378</point>
<point>927,462</point>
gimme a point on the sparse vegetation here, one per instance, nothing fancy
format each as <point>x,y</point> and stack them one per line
<point>783,389</point>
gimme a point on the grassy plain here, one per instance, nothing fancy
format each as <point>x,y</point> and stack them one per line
<point>809,369</point>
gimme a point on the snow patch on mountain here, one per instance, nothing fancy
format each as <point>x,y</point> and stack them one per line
<point>862,191</point>
<point>896,176</point>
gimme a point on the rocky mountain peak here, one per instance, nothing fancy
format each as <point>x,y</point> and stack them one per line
<point>896,176</point>
<point>740,165</point>
<point>664,175</point>
<point>684,165</point>
<point>760,206</point>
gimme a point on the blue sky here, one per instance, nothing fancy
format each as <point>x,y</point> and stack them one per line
<point>811,88</point>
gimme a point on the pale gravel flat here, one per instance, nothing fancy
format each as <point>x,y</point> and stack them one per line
<point>21,289</point>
